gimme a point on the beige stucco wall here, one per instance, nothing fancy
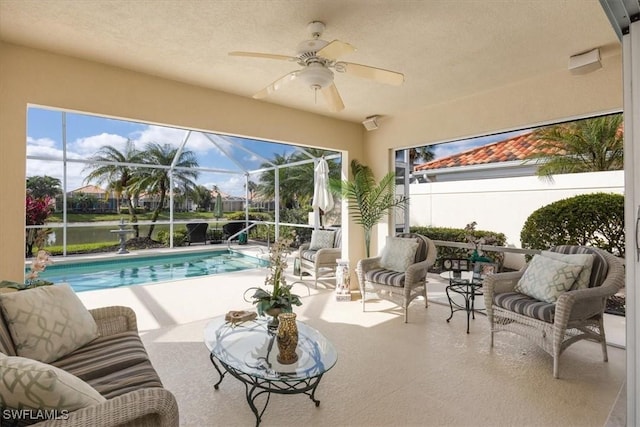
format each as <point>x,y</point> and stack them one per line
<point>36,77</point>
<point>30,76</point>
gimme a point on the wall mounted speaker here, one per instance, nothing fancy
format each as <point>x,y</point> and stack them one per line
<point>585,62</point>
<point>370,123</point>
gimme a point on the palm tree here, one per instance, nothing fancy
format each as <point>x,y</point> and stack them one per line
<point>114,169</point>
<point>203,198</point>
<point>42,186</point>
<point>296,182</point>
<point>588,145</point>
<point>368,201</point>
<point>288,195</point>
<point>425,153</point>
<point>251,187</point>
<point>156,181</point>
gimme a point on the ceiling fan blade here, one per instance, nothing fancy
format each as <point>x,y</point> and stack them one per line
<point>264,55</point>
<point>373,73</point>
<point>331,95</point>
<point>335,49</point>
<point>276,85</point>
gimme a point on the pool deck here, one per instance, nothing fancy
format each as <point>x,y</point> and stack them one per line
<point>162,304</point>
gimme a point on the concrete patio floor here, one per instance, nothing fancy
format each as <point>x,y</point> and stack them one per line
<point>171,317</point>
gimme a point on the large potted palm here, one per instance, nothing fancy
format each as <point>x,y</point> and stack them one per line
<point>369,200</point>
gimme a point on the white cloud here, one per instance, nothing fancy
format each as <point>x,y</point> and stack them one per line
<point>87,147</point>
<point>41,142</point>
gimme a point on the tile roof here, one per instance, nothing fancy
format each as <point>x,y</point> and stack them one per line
<point>517,148</point>
<point>88,189</point>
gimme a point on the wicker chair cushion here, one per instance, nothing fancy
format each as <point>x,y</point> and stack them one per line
<point>585,260</point>
<point>421,252</point>
<point>598,270</point>
<point>525,305</point>
<point>337,242</point>
<point>546,278</point>
<point>322,239</point>
<point>385,277</point>
<point>309,255</point>
<point>398,254</point>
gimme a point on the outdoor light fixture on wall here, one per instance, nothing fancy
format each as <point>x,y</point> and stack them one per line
<point>585,62</point>
<point>371,123</point>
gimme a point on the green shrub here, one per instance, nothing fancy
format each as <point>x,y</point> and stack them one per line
<point>179,237</point>
<point>595,219</point>
<point>459,235</point>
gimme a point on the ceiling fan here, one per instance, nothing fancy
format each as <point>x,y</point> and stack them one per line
<point>317,58</point>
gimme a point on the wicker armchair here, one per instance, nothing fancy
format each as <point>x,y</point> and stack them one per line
<point>321,263</point>
<point>576,315</point>
<point>398,287</point>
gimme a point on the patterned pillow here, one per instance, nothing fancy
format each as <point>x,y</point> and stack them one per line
<point>48,322</point>
<point>321,239</point>
<point>546,278</point>
<point>585,260</point>
<point>398,254</point>
<point>29,384</point>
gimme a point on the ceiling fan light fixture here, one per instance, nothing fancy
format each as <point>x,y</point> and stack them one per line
<point>316,76</point>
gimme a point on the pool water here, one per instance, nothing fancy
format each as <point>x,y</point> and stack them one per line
<point>115,273</point>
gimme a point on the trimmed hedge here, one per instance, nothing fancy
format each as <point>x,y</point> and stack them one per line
<point>595,219</point>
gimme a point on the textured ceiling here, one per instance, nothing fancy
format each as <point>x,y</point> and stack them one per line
<point>446,49</point>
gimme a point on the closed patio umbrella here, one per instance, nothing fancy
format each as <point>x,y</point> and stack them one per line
<point>322,197</point>
<point>217,210</point>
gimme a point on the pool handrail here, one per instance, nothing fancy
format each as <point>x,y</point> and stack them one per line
<point>244,230</point>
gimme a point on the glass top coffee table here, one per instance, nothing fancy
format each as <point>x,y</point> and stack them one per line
<point>248,351</point>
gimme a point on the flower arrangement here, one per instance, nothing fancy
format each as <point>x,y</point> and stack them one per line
<point>38,265</point>
<point>277,294</point>
<point>470,237</point>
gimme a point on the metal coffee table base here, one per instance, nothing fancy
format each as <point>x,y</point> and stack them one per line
<point>256,387</point>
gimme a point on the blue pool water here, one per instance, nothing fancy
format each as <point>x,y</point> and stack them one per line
<point>118,272</point>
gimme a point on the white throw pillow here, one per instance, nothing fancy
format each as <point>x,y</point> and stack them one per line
<point>29,384</point>
<point>546,278</point>
<point>399,253</point>
<point>585,260</point>
<point>47,322</point>
<point>322,239</point>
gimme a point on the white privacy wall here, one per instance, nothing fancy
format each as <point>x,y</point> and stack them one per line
<point>501,204</point>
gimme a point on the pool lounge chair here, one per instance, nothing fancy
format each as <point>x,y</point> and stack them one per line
<point>197,232</point>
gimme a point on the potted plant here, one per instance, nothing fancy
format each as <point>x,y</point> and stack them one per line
<point>369,200</point>
<point>276,297</point>
<point>32,279</point>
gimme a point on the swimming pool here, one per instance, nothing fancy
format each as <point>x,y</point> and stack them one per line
<point>118,272</point>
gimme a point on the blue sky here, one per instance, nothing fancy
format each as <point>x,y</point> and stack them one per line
<point>85,135</point>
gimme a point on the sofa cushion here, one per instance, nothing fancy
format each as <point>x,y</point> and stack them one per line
<point>132,378</point>
<point>48,322</point>
<point>546,278</point>
<point>29,384</point>
<point>585,260</point>
<point>321,239</point>
<point>104,355</point>
<point>6,342</point>
<point>399,253</point>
